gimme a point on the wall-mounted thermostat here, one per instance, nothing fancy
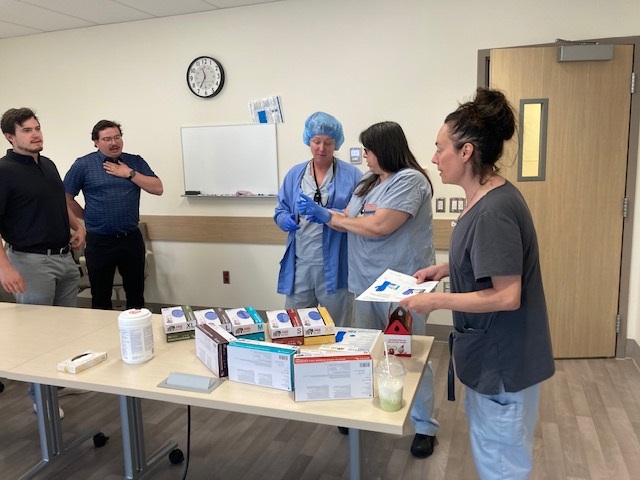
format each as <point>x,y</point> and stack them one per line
<point>355,155</point>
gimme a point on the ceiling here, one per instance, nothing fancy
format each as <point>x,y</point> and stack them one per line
<point>30,17</point>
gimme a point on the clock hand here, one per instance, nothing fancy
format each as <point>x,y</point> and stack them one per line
<point>204,77</point>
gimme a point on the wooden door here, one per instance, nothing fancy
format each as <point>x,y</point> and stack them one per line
<point>577,208</point>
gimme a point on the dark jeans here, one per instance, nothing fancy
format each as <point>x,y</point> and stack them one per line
<point>106,252</point>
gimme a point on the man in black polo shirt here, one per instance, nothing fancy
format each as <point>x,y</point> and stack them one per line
<point>35,221</point>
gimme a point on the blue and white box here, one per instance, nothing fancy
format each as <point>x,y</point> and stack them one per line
<point>246,321</point>
<point>212,316</point>
<point>261,363</point>
<point>178,319</point>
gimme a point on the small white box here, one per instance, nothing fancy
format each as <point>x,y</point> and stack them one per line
<point>178,319</point>
<point>82,362</point>
<point>324,375</point>
<point>211,347</point>
<point>261,363</point>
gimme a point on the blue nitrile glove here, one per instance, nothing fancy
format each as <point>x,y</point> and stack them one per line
<point>290,224</point>
<point>314,219</point>
<point>307,206</point>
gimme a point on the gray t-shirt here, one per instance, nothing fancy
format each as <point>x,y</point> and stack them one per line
<point>496,237</point>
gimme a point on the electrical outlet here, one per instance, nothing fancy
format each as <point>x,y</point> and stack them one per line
<point>456,204</point>
<point>225,276</point>
<point>440,205</point>
<point>446,288</point>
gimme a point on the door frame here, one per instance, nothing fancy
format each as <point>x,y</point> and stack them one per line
<point>484,56</point>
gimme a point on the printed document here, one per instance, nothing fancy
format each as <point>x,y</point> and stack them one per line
<point>393,286</point>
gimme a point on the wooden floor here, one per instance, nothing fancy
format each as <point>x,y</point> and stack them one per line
<point>589,429</point>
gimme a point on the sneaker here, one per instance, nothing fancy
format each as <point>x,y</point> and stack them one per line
<point>422,445</point>
<point>60,411</point>
<point>64,391</point>
<point>343,430</point>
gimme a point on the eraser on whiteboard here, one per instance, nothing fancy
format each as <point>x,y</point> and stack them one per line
<point>82,362</point>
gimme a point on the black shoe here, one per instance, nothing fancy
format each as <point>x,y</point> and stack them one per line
<point>422,445</point>
<point>343,430</point>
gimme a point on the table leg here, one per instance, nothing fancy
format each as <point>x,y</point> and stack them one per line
<point>135,462</point>
<point>50,430</point>
<point>355,455</point>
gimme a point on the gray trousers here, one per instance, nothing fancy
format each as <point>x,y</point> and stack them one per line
<point>50,280</point>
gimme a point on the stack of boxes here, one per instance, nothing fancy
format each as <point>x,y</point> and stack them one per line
<point>231,343</point>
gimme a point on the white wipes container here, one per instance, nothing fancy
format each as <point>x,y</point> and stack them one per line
<point>136,335</point>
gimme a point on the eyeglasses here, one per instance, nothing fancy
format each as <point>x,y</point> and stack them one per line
<point>117,138</point>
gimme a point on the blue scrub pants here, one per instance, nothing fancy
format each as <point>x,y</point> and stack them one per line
<point>311,290</point>
<point>50,280</point>
<point>375,315</point>
<point>501,429</point>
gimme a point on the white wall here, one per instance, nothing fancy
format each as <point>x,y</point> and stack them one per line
<point>361,60</point>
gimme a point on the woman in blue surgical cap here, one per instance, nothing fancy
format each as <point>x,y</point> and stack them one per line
<point>313,270</point>
<point>389,224</point>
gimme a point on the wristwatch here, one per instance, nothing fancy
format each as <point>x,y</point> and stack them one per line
<point>132,174</point>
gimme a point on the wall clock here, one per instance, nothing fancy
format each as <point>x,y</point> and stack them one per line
<point>205,77</point>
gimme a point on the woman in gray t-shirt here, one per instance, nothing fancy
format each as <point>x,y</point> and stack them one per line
<point>501,342</point>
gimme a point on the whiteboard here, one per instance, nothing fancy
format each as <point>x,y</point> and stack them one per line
<point>223,160</point>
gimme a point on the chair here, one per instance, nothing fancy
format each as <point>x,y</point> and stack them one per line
<point>117,278</point>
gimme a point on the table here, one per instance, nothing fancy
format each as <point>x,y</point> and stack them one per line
<point>133,382</point>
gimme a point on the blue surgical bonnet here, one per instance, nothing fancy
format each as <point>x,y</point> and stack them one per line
<point>321,123</point>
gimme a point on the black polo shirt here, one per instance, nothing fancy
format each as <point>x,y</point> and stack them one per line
<point>33,207</point>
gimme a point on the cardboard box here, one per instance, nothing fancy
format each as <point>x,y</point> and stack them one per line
<point>325,375</point>
<point>245,321</point>
<point>178,319</point>
<point>261,363</point>
<point>214,316</point>
<point>211,347</point>
<point>82,362</point>
<point>355,340</point>
<point>397,335</point>
<point>284,328</point>
<point>317,325</point>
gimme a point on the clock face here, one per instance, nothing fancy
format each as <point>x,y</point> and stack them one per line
<point>205,77</point>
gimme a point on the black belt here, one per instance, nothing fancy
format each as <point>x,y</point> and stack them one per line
<point>116,235</point>
<point>44,251</point>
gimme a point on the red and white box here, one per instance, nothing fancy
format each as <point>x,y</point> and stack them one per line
<point>397,335</point>
<point>325,375</point>
<point>284,328</point>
